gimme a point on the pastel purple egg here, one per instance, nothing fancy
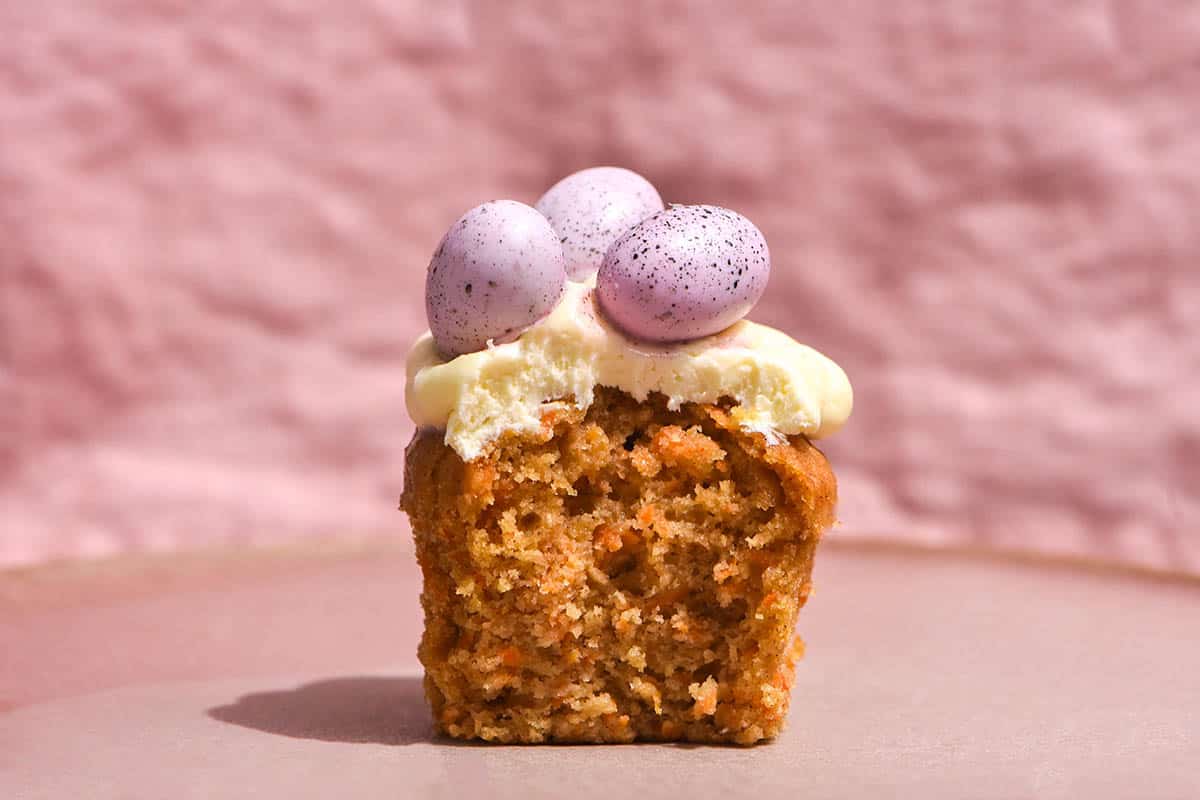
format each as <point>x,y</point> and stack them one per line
<point>684,273</point>
<point>498,270</point>
<point>590,209</point>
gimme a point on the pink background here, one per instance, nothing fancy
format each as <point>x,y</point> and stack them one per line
<point>214,225</point>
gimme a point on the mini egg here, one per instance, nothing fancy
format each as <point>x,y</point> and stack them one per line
<point>590,210</point>
<point>684,273</point>
<point>498,270</point>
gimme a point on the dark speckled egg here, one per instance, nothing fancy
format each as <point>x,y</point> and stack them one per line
<point>590,209</point>
<point>498,270</point>
<point>684,273</point>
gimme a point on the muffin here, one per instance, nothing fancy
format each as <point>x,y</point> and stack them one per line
<point>613,494</point>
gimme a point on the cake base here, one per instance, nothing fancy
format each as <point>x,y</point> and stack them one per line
<point>628,573</point>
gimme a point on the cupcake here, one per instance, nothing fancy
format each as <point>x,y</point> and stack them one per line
<point>613,492</point>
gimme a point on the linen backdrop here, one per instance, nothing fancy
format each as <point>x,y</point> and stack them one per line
<point>215,220</point>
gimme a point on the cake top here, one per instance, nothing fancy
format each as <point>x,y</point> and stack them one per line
<point>600,285</point>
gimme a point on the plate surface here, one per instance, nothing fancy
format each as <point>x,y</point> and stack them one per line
<point>293,675</point>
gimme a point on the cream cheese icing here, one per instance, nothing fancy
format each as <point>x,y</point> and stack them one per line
<point>780,387</point>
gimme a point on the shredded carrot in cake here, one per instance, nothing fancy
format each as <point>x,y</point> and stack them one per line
<point>628,572</point>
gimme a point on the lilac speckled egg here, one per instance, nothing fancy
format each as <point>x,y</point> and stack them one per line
<point>498,270</point>
<point>590,209</point>
<point>684,273</point>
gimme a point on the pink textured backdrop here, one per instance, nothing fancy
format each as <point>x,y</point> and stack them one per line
<point>215,219</point>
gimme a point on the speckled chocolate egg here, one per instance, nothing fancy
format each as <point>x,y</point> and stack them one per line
<point>498,270</point>
<point>590,209</point>
<point>684,273</point>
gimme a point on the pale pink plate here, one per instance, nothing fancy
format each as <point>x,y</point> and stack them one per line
<point>293,675</point>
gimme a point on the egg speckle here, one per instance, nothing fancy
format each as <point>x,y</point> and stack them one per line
<point>684,273</point>
<point>498,270</point>
<point>592,208</point>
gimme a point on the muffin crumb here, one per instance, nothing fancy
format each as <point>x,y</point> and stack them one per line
<point>625,573</point>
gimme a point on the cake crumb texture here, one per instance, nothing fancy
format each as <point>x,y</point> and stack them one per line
<point>625,573</point>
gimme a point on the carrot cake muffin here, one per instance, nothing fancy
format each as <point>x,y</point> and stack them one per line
<point>612,489</point>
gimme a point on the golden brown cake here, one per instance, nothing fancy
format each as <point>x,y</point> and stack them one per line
<point>626,573</point>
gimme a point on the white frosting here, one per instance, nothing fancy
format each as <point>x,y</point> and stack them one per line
<point>780,386</point>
